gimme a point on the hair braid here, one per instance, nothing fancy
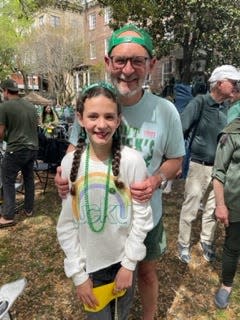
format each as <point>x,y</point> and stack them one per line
<point>76,163</point>
<point>116,152</point>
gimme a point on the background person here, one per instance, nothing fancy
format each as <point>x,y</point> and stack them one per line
<point>210,115</point>
<point>181,96</point>
<point>18,127</point>
<point>226,186</point>
<point>234,110</point>
<point>147,126</point>
<point>101,229</point>
<point>48,121</point>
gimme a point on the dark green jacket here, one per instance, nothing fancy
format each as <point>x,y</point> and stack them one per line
<point>227,167</point>
<point>212,121</point>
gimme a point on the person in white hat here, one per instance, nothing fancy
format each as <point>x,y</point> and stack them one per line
<point>206,115</point>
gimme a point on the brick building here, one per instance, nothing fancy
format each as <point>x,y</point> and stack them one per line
<point>90,22</point>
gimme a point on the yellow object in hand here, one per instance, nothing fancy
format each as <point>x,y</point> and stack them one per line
<point>104,295</point>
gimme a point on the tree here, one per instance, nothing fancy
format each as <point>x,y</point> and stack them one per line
<point>196,27</point>
<point>15,21</point>
<point>13,25</point>
<point>53,53</point>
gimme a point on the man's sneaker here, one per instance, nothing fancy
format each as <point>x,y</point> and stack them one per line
<point>184,254</point>
<point>208,251</point>
<point>28,214</point>
<point>222,298</point>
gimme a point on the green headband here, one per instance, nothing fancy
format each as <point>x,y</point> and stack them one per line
<point>144,40</point>
<point>101,84</point>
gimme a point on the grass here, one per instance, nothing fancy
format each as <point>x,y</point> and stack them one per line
<point>30,249</point>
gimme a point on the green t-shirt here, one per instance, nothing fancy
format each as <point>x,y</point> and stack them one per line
<point>233,112</point>
<point>21,121</point>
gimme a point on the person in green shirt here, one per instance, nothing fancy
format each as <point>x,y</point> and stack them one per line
<point>226,176</point>
<point>18,127</point>
<point>206,115</point>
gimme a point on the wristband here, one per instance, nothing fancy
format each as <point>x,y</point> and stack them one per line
<point>164,181</point>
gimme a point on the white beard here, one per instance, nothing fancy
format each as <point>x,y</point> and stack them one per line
<point>125,92</point>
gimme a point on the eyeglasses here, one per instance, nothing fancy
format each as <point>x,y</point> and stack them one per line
<point>119,62</point>
<point>237,86</point>
<point>234,83</point>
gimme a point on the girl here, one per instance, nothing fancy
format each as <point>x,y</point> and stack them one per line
<point>101,229</point>
<point>49,120</point>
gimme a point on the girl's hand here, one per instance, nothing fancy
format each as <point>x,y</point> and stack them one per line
<point>123,279</point>
<point>85,294</point>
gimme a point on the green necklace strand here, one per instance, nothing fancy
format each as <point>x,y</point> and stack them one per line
<point>87,206</point>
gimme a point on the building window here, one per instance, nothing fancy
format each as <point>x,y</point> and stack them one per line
<point>106,46</point>
<point>41,21</point>
<point>92,21</point>
<point>55,21</point>
<point>107,15</point>
<point>167,71</point>
<point>92,50</point>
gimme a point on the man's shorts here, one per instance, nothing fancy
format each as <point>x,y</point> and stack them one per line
<point>155,242</point>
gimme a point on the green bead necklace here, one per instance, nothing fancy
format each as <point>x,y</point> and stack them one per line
<point>87,207</point>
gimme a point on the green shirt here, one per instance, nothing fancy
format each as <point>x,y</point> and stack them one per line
<point>212,121</point>
<point>21,121</point>
<point>233,112</point>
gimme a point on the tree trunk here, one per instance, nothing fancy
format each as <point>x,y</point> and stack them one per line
<point>25,81</point>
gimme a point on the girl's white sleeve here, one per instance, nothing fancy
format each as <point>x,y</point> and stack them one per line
<point>68,237</point>
<point>142,221</point>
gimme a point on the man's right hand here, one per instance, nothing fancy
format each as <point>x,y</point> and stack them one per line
<point>222,214</point>
<point>61,184</point>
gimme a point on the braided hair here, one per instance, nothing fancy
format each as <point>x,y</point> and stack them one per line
<point>76,160</point>
<point>94,90</point>
<point>116,157</point>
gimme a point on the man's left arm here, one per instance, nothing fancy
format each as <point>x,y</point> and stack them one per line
<point>169,170</point>
<point>173,151</point>
<point>143,191</point>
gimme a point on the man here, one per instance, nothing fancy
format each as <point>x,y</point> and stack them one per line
<point>234,110</point>
<point>208,114</point>
<point>152,125</point>
<point>18,127</point>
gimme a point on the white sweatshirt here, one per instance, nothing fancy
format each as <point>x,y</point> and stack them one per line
<point>127,222</point>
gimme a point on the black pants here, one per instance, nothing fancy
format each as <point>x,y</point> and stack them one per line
<point>12,163</point>
<point>105,276</point>
<point>231,253</point>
